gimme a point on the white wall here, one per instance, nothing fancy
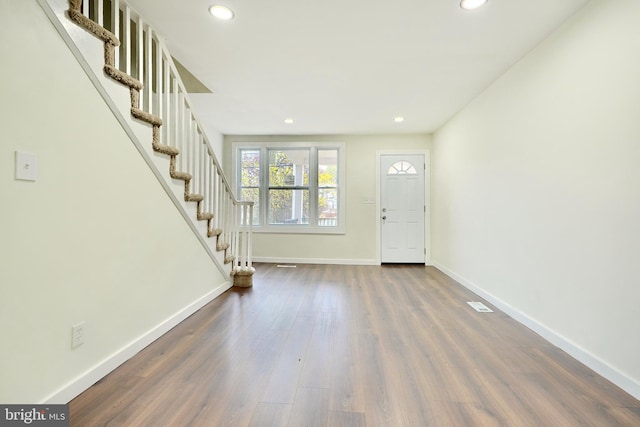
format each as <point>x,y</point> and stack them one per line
<point>358,244</point>
<point>94,239</point>
<point>215,138</point>
<point>535,190</point>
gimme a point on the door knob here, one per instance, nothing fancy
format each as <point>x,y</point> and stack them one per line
<point>384,217</point>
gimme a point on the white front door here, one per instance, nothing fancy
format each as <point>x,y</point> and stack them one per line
<point>402,208</point>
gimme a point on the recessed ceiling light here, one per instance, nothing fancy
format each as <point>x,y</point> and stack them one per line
<point>398,119</point>
<point>221,12</point>
<point>288,120</point>
<point>471,4</point>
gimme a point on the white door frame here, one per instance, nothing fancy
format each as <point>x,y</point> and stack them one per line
<point>427,201</point>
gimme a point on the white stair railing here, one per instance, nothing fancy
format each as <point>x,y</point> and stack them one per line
<point>142,54</point>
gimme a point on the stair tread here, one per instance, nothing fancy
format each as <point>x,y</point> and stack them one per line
<point>193,197</point>
<point>205,216</point>
<point>181,175</point>
<point>166,149</point>
<point>146,117</point>
<point>215,232</point>
<point>122,77</point>
<point>95,29</point>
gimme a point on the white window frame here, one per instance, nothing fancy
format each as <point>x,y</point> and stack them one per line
<point>312,227</point>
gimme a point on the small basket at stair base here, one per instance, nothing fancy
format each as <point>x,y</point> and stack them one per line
<point>242,278</point>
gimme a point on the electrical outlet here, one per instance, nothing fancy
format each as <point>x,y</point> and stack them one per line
<point>77,335</point>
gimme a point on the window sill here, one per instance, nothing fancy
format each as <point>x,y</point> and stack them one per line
<point>287,229</point>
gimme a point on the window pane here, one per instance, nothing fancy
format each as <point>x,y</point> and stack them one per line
<point>402,168</point>
<point>328,207</point>
<point>327,168</point>
<point>250,167</point>
<point>288,206</point>
<point>252,195</point>
<point>289,168</point>
<point>327,188</point>
<point>250,180</point>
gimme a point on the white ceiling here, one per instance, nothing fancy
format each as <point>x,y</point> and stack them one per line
<point>346,66</point>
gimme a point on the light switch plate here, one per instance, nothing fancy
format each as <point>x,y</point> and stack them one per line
<point>26,166</point>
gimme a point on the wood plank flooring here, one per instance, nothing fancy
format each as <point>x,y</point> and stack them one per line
<point>330,345</point>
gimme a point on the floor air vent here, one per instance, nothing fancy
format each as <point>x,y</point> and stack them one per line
<point>479,307</point>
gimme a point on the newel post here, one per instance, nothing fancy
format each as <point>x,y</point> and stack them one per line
<point>243,271</point>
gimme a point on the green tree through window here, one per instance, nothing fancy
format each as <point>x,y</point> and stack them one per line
<point>289,186</point>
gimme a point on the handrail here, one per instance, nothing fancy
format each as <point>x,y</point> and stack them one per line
<point>143,55</point>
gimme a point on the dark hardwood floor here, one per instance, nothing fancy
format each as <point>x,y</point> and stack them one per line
<point>330,345</point>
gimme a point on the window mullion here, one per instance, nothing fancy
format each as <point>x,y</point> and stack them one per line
<point>313,187</point>
<point>264,186</point>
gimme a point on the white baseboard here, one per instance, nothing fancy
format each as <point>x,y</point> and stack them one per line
<point>276,260</point>
<point>623,381</point>
<point>90,377</point>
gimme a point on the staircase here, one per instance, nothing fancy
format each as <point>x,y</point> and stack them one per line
<point>136,58</point>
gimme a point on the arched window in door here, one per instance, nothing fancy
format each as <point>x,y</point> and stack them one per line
<point>402,168</point>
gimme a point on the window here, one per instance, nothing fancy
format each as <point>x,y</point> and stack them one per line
<point>402,168</point>
<point>296,187</point>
